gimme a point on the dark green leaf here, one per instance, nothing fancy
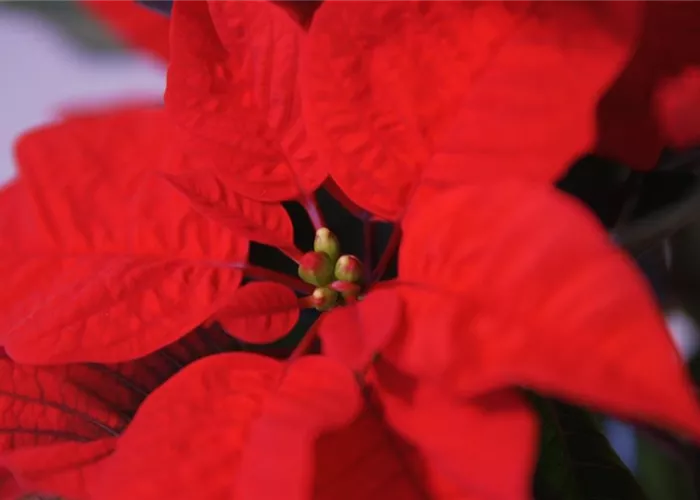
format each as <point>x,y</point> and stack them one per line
<point>576,460</point>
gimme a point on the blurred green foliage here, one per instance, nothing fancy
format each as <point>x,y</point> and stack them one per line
<point>70,19</point>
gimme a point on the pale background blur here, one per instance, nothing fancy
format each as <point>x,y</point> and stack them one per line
<point>53,57</point>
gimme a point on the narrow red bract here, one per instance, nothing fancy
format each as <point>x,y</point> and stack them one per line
<point>260,313</point>
<point>107,262</point>
<point>266,223</point>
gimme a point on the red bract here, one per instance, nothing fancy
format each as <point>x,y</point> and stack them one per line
<point>456,91</point>
<point>109,262</point>
<point>522,282</point>
<point>232,87</point>
<point>136,25</point>
<point>293,431</point>
<point>256,442</point>
<point>260,312</point>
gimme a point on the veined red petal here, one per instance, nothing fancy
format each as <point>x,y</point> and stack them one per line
<point>56,426</point>
<point>109,262</point>
<point>232,87</point>
<point>532,292</point>
<point>487,88</point>
<point>266,223</point>
<point>226,446</point>
<point>260,312</point>
<point>134,23</point>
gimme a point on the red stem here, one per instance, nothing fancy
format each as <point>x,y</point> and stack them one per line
<point>389,251</point>
<point>305,343</point>
<point>261,273</point>
<point>367,253</point>
<point>337,193</point>
<point>315,214</point>
<point>292,252</point>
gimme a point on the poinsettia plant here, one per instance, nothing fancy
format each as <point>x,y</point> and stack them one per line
<point>334,264</point>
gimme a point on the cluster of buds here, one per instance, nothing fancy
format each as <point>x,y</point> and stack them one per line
<point>335,276</point>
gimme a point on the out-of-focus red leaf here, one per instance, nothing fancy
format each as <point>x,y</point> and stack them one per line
<point>54,427</point>
<point>629,130</point>
<point>232,87</point>
<point>678,106</point>
<point>109,262</point>
<point>266,223</point>
<point>222,449</point>
<point>378,319</point>
<point>529,287</point>
<point>260,312</point>
<point>487,88</point>
<point>136,25</point>
<point>485,446</point>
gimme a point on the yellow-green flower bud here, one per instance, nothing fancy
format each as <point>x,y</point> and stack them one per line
<point>324,298</point>
<point>316,268</point>
<point>326,242</point>
<point>348,268</point>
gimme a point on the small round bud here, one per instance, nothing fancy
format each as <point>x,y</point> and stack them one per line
<point>348,268</point>
<point>316,268</point>
<point>324,299</point>
<point>326,242</point>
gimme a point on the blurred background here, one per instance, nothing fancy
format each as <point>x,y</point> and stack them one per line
<point>54,57</point>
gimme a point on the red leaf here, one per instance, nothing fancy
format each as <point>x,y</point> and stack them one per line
<point>383,83</point>
<point>678,102</point>
<point>266,223</point>
<point>485,447</point>
<point>137,25</point>
<point>353,335</point>
<point>260,313</point>
<point>111,263</point>
<point>257,401</point>
<point>232,86</point>
<point>528,287</point>
<point>54,428</point>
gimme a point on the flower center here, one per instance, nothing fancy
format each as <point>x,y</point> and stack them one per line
<point>337,278</point>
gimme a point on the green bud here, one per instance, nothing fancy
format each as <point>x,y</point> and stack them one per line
<point>348,268</point>
<point>325,241</point>
<point>316,268</point>
<point>324,298</point>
